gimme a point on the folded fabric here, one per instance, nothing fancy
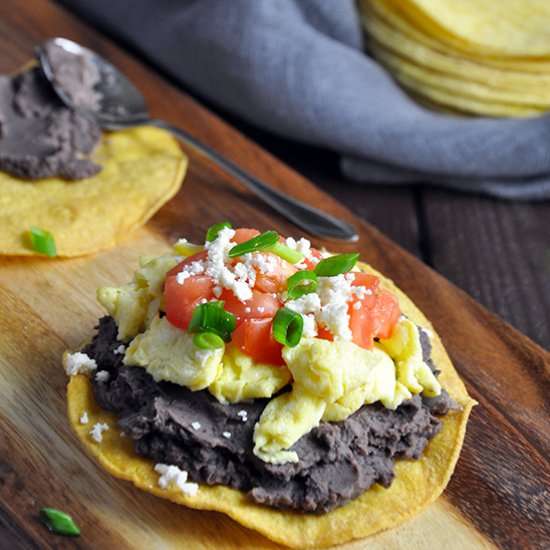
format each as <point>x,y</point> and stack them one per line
<point>297,68</point>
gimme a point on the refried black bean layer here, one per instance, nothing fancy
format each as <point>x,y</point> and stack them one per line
<point>338,461</point>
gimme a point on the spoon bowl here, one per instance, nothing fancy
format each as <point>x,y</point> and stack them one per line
<point>91,85</point>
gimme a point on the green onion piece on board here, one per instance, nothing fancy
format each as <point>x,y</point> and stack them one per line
<point>208,340</point>
<point>59,522</point>
<point>213,231</point>
<point>212,318</point>
<point>336,265</point>
<point>42,241</point>
<point>283,251</point>
<point>302,282</point>
<point>256,244</point>
<point>287,327</point>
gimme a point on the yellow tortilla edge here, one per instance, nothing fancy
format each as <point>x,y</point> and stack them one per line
<point>417,484</point>
<point>70,238</point>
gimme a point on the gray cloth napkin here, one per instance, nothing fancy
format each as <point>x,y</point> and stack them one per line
<point>298,69</point>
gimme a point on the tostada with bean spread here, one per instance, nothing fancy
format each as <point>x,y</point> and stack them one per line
<point>299,392</point>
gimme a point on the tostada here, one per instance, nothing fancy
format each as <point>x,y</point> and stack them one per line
<point>299,392</point>
<point>67,188</point>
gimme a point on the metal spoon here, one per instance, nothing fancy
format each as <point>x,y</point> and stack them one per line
<point>115,103</point>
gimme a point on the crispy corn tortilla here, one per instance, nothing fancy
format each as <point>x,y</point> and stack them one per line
<point>142,169</point>
<point>467,96</point>
<point>417,482</point>
<point>458,59</point>
<point>388,12</point>
<point>507,28</point>
<point>534,86</point>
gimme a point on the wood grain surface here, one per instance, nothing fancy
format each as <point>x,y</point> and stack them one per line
<point>498,496</point>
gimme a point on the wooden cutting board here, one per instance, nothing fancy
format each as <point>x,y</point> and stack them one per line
<point>498,496</point>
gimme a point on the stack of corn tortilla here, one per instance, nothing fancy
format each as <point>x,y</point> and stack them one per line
<point>482,57</point>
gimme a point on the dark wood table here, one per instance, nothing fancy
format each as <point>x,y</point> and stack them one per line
<point>497,251</point>
<point>500,487</point>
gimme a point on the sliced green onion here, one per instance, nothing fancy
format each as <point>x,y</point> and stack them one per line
<point>286,253</point>
<point>260,242</point>
<point>42,241</point>
<point>59,522</point>
<point>336,265</point>
<point>208,340</point>
<point>302,282</point>
<point>212,318</point>
<point>213,231</point>
<point>287,327</point>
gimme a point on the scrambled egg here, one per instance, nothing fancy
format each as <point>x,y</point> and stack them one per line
<point>169,354</point>
<point>334,379</point>
<point>134,305</point>
<point>405,349</point>
<point>241,378</point>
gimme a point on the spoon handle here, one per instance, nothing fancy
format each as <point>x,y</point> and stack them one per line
<point>314,221</point>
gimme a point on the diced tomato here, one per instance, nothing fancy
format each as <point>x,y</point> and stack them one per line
<point>316,254</point>
<point>376,317</point>
<point>244,234</point>
<point>181,300</point>
<point>255,338</point>
<point>386,314</point>
<point>361,324</point>
<point>370,282</point>
<point>324,333</point>
<point>365,279</point>
<point>274,281</point>
<point>260,306</point>
<point>188,261</point>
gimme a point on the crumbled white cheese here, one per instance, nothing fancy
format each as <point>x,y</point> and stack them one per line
<point>84,418</point>
<point>243,414</point>
<point>308,303</point>
<point>97,430</point>
<point>304,247</point>
<point>336,318</point>
<point>247,309</point>
<point>79,363</point>
<point>291,242</point>
<point>121,350</point>
<point>217,266</point>
<point>102,376</point>
<point>264,263</point>
<point>427,332</point>
<point>310,326</point>
<point>357,305</point>
<point>328,306</point>
<point>173,476</point>
<point>227,435</point>
<point>182,276</point>
<point>196,268</point>
<point>196,425</point>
